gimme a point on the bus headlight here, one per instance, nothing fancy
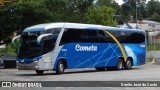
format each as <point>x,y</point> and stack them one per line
<point>36,66</point>
<point>35,61</point>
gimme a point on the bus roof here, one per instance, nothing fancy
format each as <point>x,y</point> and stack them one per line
<point>46,26</point>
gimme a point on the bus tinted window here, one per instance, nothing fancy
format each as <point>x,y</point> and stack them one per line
<point>99,36</point>
<point>49,41</point>
<point>129,36</point>
<point>68,37</point>
<point>48,44</point>
<point>136,37</point>
<point>85,36</point>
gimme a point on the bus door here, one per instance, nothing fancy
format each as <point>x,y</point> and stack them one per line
<point>47,47</point>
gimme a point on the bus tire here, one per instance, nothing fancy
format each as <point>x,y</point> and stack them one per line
<point>60,67</point>
<point>39,72</point>
<point>128,64</point>
<point>2,64</point>
<point>120,64</point>
<point>100,68</point>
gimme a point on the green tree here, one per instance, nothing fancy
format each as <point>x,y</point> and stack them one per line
<point>156,17</point>
<point>20,15</point>
<point>58,9</point>
<point>129,9</point>
<point>104,2</point>
<point>77,8</point>
<point>153,8</point>
<point>100,15</point>
<point>110,3</point>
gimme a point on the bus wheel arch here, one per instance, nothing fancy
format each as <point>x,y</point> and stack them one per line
<point>129,63</point>
<point>61,66</point>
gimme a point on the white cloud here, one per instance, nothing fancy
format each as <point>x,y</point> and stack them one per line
<point>120,2</point>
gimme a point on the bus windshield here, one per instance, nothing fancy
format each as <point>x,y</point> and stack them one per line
<point>28,47</point>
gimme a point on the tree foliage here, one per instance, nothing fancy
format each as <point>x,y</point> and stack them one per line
<point>20,15</point>
<point>24,13</point>
<point>100,15</point>
<point>144,10</point>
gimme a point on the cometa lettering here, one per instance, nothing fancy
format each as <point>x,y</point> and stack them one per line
<point>85,48</point>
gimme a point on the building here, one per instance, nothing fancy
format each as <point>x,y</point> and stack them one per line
<point>152,27</point>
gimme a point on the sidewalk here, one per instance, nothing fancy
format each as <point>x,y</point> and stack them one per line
<point>155,55</point>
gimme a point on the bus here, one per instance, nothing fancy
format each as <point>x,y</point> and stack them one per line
<point>60,46</point>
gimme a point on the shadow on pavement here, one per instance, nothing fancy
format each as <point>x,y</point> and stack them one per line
<point>75,72</point>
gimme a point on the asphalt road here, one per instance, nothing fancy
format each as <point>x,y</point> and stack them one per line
<point>147,72</point>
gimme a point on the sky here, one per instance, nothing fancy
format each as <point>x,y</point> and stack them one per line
<point>120,2</point>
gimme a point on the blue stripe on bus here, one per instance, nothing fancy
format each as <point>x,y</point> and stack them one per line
<point>21,60</point>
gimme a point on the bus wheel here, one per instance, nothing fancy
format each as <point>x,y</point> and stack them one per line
<point>119,64</point>
<point>100,68</point>
<point>1,64</point>
<point>39,72</point>
<point>128,64</point>
<point>60,67</point>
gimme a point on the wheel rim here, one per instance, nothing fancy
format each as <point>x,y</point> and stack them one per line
<point>120,64</point>
<point>61,67</point>
<point>129,64</point>
<point>1,64</point>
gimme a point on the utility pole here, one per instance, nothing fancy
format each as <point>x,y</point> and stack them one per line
<point>136,15</point>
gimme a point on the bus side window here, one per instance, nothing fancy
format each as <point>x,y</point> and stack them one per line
<point>108,38</point>
<point>135,37</point>
<point>69,36</point>
<point>48,44</point>
<point>101,36</point>
<point>85,36</point>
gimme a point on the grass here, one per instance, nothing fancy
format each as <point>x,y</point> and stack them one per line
<point>10,49</point>
<point>152,47</point>
<point>149,60</point>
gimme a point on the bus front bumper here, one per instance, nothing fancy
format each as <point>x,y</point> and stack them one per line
<point>36,65</point>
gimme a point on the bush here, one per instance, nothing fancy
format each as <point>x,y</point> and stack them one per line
<point>10,49</point>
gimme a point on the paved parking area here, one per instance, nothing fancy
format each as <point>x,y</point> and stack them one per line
<point>147,72</point>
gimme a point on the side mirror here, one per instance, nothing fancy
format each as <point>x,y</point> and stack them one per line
<point>41,37</point>
<point>16,37</point>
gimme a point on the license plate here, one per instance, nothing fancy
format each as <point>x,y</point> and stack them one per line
<point>25,67</point>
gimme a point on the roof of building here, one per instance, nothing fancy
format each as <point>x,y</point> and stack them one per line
<point>133,21</point>
<point>150,22</point>
<point>144,22</point>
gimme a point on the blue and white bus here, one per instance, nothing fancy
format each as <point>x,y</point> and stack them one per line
<point>60,46</point>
